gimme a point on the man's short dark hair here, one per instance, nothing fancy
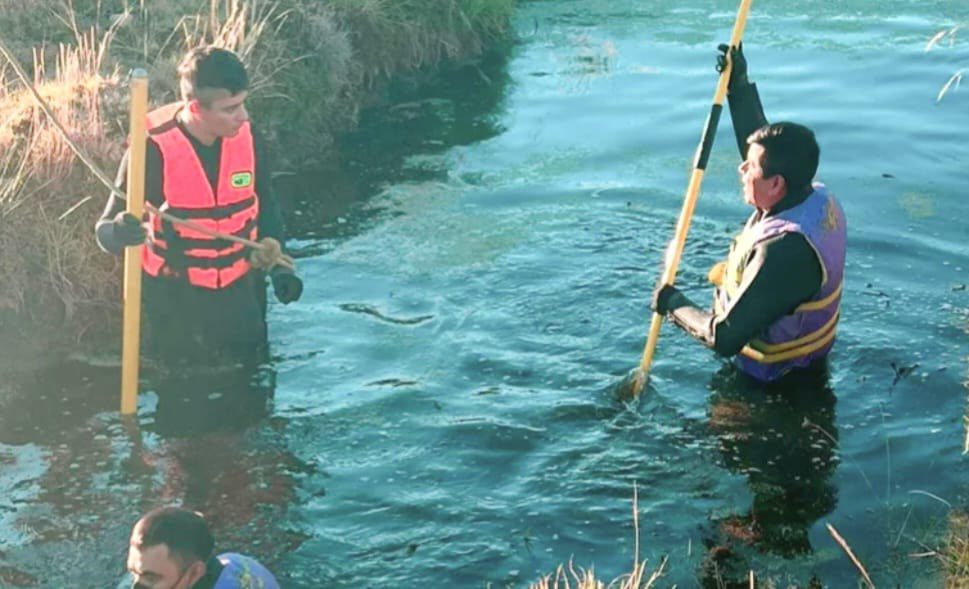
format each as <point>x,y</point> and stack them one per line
<point>211,68</point>
<point>791,151</point>
<point>184,532</point>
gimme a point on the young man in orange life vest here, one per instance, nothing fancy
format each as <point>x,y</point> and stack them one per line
<point>777,298</point>
<point>204,298</point>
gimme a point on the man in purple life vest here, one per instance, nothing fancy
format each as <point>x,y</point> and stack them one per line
<point>777,297</point>
<point>172,548</point>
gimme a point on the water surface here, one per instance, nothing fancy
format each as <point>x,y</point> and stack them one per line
<point>478,274</point>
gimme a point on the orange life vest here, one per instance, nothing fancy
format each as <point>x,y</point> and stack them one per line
<point>233,207</point>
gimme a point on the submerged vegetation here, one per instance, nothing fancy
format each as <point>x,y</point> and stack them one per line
<point>313,64</point>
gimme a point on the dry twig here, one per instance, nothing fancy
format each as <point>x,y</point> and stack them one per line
<point>844,546</point>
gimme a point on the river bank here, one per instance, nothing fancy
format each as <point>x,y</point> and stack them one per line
<point>314,66</point>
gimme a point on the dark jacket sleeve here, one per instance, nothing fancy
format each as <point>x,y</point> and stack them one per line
<point>771,290</point>
<point>271,222</point>
<point>104,228</point>
<point>746,112</point>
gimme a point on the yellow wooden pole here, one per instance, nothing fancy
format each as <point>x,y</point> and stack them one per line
<point>131,345</point>
<point>692,192</point>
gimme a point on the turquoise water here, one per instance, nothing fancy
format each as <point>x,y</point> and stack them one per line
<point>478,276</point>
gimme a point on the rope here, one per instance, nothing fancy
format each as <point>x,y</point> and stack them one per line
<point>274,259</point>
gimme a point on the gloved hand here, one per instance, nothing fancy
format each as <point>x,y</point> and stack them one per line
<point>287,285</point>
<point>267,256</point>
<point>738,75</point>
<point>666,298</point>
<point>127,230</point>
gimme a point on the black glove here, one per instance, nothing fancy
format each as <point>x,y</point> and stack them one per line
<point>738,75</point>
<point>127,230</point>
<point>287,286</point>
<point>666,298</point>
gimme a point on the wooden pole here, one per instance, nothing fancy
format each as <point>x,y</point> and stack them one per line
<point>131,345</point>
<point>692,192</point>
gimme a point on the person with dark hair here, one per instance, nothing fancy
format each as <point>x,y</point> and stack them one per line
<point>205,297</point>
<point>777,296</point>
<point>173,548</point>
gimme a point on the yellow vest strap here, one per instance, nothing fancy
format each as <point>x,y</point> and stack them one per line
<point>765,353</point>
<point>818,305</point>
<point>716,273</point>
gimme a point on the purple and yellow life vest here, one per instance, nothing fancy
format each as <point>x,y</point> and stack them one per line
<point>808,333</point>
<point>243,572</point>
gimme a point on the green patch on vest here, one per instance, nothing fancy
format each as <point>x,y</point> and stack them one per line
<point>241,179</point>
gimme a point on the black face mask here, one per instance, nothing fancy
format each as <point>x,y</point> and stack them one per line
<point>140,585</point>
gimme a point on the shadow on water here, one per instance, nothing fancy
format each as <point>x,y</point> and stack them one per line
<point>421,115</point>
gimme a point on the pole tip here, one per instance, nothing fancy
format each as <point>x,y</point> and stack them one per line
<point>631,385</point>
<point>139,73</point>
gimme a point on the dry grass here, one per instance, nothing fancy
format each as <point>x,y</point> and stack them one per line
<point>46,207</point>
<point>579,578</point>
<point>75,92</point>
<point>312,63</point>
<point>572,578</point>
<point>419,32</point>
<point>955,554</point>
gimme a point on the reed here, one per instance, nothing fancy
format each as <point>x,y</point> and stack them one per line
<point>948,37</point>
<point>567,577</point>
<point>570,577</point>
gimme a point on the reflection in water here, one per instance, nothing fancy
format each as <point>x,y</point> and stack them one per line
<point>421,116</point>
<point>214,460</point>
<point>63,498</point>
<point>75,477</point>
<point>782,438</point>
<point>231,399</point>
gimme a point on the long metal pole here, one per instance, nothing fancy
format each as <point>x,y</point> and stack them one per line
<point>131,345</point>
<point>692,192</point>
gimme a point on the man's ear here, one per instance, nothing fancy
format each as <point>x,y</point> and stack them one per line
<point>194,106</point>
<point>195,572</point>
<point>778,187</point>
